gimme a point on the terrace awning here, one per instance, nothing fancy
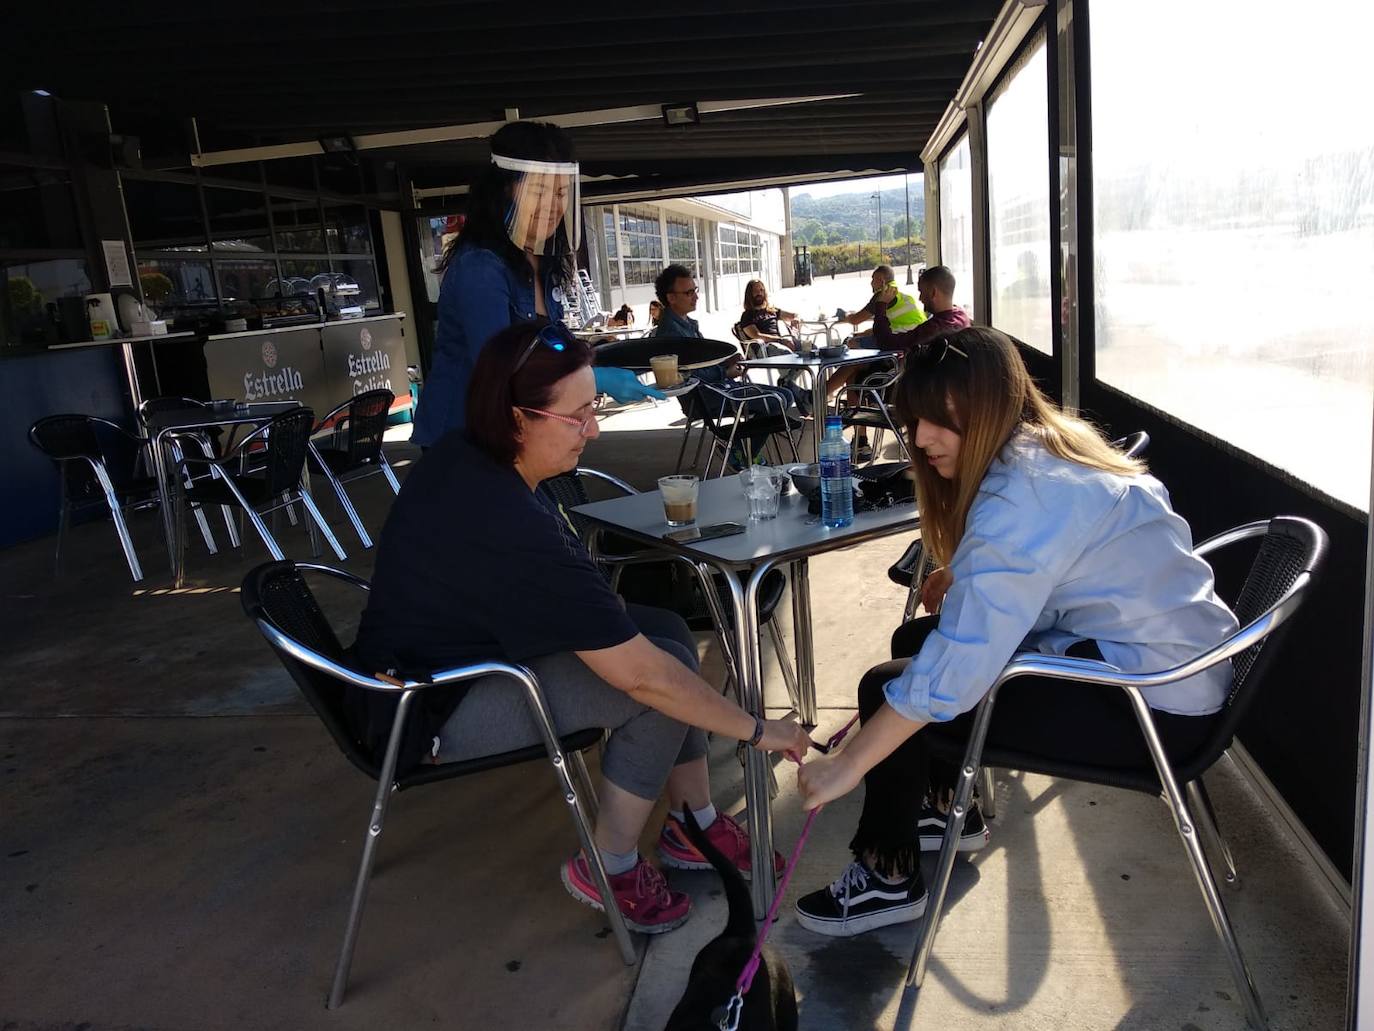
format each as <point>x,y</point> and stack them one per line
<point>348,68</point>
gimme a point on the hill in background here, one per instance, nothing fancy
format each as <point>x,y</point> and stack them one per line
<point>851,217</point>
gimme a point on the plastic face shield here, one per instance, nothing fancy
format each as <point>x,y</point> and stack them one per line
<point>544,196</point>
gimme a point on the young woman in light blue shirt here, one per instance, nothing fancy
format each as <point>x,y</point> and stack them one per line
<point>1047,539</point>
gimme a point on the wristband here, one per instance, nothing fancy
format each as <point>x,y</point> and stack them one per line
<point>758,730</point>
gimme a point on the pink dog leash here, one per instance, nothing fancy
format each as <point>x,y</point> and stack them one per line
<point>729,1020</point>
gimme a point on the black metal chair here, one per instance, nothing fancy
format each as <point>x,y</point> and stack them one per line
<point>278,599</point>
<point>205,441</point>
<point>361,423</point>
<point>273,480</point>
<point>1290,554</point>
<point>725,418</point>
<point>83,459</point>
<point>864,405</point>
<point>72,442</point>
<point>693,590</point>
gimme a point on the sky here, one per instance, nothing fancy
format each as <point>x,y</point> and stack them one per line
<point>882,182</point>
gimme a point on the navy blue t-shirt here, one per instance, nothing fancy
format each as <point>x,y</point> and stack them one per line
<point>473,565</point>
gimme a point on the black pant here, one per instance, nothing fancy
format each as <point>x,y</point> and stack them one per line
<point>1072,721</point>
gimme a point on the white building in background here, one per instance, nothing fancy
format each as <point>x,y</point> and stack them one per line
<point>726,240</point>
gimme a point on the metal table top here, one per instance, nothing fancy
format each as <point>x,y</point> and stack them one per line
<point>792,535</point>
<point>191,418</point>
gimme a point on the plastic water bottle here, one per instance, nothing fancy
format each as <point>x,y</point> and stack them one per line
<point>837,491</point>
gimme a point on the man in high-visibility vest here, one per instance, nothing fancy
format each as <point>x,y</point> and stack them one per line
<point>904,313</point>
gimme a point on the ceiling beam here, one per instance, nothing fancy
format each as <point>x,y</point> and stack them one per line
<point>475,130</point>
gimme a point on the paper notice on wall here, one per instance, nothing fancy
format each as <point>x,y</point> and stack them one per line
<point>117,263</point>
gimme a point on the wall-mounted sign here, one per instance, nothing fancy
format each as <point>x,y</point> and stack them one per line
<point>117,263</point>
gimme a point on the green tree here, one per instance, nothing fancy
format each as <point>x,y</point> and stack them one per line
<point>24,295</point>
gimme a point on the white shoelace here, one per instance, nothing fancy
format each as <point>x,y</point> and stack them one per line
<point>854,878</point>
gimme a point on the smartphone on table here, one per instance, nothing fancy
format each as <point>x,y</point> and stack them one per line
<point>691,534</point>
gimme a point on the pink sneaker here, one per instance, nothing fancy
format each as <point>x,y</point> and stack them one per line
<point>645,901</point>
<point>676,849</point>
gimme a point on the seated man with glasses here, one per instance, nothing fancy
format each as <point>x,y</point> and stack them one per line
<point>477,563</point>
<point>678,291</point>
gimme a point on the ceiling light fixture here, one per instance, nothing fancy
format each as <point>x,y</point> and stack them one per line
<point>340,144</point>
<point>681,114</point>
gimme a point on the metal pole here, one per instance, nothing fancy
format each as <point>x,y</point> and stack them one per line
<point>906,189</point>
<point>1360,978</point>
<point>878,226</point>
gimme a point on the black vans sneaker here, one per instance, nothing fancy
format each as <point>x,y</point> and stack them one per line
<point>860,901</point>
<point>932,826</point>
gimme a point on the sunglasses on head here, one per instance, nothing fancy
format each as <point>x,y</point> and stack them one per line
<point>550,336</point>
<point>937,351</point>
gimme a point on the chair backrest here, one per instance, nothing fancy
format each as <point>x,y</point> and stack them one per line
<point>568,491</point>
<point>367,414</point>
<point>287,437</point>
<point>695,408</point>
<point>1290,547</point>
<point>66,436</point>
<point>72,442</point>
<point>278,594</point>
<point>162,404</point>
<point>1133,445</point>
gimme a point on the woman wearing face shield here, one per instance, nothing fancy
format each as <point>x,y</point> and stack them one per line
<point>514,259</point>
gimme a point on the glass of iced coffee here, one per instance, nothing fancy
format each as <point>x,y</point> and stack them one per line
<point>679,499</point>
<point>665,370</point>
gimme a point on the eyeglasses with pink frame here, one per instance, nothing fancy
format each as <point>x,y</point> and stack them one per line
<point>582,424</point>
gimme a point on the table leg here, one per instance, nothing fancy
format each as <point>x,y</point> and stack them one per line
<point>818,408</point>
<point>745,597</point>
<point>801,630</point>
<point>126,350</point>
<point>165,500</point>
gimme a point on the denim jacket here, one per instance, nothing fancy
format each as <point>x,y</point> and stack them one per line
<point>480,296</point>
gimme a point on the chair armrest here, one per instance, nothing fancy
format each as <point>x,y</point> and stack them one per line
<point>338,574</point>
<point>1063,667</point>
<point>1238,533</point>
<point>334,669</point>
<point>455,675</point>
<point>614,481</point>
<point>120,429</point>
<point>751,392</point>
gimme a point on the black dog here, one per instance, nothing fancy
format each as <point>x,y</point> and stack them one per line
<point>771,1003</point>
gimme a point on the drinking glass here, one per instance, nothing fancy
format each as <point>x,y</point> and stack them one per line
<point>665,370</point>
<point>762,486</point>
<point>679,499</point>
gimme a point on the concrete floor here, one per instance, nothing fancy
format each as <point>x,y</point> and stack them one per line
<point>179,836</point>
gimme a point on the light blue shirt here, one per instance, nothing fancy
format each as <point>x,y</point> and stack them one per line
<point>1054,553</point>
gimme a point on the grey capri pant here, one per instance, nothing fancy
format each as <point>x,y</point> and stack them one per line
<point>644,744</point>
